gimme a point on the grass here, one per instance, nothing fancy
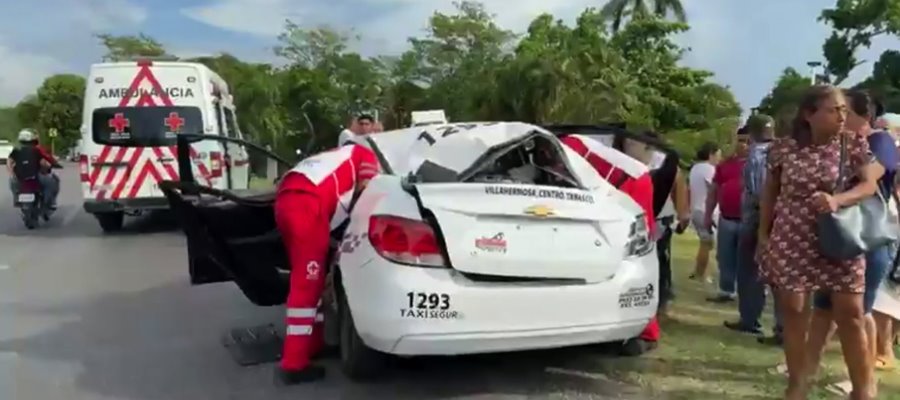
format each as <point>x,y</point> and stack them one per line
<point>698,358</point>
<point>257,182</point>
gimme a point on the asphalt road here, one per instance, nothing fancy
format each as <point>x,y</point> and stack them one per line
<point>88,316</point>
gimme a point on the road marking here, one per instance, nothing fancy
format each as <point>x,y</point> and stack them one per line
<point>4,267</point>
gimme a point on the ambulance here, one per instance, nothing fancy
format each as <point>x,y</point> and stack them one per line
<point>133,112</point>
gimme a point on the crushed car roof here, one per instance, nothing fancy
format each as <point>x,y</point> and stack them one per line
<point>455,146</point>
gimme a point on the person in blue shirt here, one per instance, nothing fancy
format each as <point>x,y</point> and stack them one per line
<point>751,289</point>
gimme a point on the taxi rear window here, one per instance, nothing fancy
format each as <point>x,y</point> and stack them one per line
<point>144,126</point>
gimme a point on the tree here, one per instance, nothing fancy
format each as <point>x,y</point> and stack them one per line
<point>311,48</point>
<point>884,84</point>
<point>855,23</point>
<point>60,100</point>
<point>618,10</point>
<point>256,90</point>
<point>464,64</point>
<point>28,112</point>
<point>123,48</point>
<point>786,94</point>
<point>457,57</point>
<point>9,123</point>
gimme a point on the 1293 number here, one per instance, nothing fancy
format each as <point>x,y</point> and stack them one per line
<point>429,301</point>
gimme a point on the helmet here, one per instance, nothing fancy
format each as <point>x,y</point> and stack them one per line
<point>26,135</point>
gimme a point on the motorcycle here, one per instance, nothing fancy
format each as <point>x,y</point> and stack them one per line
<point>30,200</point>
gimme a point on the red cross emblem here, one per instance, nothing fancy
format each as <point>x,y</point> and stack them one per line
<point>174,122</point>
<point>119,122</point>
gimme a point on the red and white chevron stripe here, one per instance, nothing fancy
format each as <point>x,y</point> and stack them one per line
<point>128,180</point>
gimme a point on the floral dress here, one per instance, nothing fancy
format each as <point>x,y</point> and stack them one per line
<point>791,260</point>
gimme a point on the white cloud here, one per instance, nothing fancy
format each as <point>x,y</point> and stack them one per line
<point>20,78</point>
<point>61,43</point>
<point>384,25</point>
<point>101,15</point>
<point>258,17</point>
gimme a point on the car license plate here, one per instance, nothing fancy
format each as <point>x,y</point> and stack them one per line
<point>26,197</point>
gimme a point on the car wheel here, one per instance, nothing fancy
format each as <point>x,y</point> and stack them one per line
<point>111,222</point>
<point>635,347</point>
<point>358,361</point>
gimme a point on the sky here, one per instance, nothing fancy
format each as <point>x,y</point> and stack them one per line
<point>746,44</point>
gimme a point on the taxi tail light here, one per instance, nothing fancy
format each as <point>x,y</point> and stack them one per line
<point>405,241</point>
<point>639,241</point>
<point>215,162</point>
<point>83,168</point>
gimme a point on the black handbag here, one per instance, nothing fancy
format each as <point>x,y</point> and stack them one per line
<point>854,230</point>
<point>894,275</point>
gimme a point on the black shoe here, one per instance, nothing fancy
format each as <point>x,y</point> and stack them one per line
<point>721,299</point>
<point>774,340</point>
<point>311,373</point>
<point>739,327</point>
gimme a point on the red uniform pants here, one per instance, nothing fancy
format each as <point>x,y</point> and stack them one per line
<point>305,231</point>
<point>652,332</point>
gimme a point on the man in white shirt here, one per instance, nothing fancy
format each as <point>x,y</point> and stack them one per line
<point>363,125</point>
<point>700,180</point>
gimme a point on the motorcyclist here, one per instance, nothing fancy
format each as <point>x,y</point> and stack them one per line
<point>630,176</point>
<point>312,201</point>
<point>31,161</point>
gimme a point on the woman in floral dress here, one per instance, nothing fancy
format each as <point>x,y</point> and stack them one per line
<point>802,170</point>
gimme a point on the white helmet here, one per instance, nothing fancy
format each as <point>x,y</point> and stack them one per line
<point>26,135</point>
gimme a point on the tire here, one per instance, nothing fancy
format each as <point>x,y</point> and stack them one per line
<point>635,347</point>
<point>30,222</point>
<point>111,222</point>
<point>358,362</point>
<point>30,217</point>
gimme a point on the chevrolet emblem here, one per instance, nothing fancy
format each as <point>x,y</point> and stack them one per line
<point>540,211</point>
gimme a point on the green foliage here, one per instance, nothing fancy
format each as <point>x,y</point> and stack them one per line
<point>468,66</point>
<point>787,93</point>
<point>884,83</point>
<point>9,123</point>
<point>616,11</point>
<point>123,48</point>
<point>57,105</point>
<point>855,23</point>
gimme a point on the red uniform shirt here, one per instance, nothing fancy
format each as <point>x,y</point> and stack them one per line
<point>729,179</point>
<point>627,174</point>
<point>333,177</point>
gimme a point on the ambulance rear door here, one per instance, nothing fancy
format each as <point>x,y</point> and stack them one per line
<point>134,110</point>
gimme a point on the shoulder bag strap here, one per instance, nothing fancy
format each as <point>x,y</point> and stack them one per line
<point>839,183</point>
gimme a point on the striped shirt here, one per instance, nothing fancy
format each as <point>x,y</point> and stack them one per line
<point>754,177</point>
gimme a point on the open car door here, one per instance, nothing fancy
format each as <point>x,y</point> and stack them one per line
<point>231,234</point>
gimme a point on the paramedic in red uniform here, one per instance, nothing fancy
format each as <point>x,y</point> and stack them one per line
<point>313,200</point>
<point>632,178</point>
